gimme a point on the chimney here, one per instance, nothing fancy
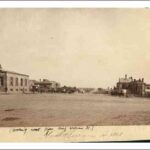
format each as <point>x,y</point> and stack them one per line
<point>125,76</point>
<point>142,79</point>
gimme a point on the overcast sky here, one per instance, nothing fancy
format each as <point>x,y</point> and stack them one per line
<point>77,47</point>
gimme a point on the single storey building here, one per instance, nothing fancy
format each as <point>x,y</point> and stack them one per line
<point>44,86</point>
<point>12,82</point>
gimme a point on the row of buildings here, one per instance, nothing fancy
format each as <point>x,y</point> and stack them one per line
<point>13,82</point>
<point>130,86</point>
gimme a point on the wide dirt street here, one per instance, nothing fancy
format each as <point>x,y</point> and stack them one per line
<point>72,109</point>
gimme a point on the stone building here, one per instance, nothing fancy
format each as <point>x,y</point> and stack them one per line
<point>137,87</point>
<point>12,82</point>
<point>132,86</point>
<point>123,84</point>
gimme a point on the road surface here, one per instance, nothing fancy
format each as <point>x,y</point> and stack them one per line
<point>72,109</point>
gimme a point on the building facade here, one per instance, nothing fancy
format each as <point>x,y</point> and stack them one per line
<point>147,89</point>
<point>132,86</point>
<point>12,82</point>
<point>44,86</point>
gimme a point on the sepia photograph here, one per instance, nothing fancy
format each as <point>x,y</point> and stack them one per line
<point>74,73</point>
<point>74,67</point>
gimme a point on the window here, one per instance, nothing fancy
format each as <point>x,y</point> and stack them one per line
<point>26,82</point>
<point>1,81</point>
<point>11,81</point>
<point>21,81</point>
<point>16,81</point>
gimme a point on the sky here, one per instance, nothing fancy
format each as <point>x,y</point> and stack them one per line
<point>76,47</point>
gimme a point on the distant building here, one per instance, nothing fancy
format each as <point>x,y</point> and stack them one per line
<point>44,86</point>
<point>12,82</point>
<point>132,86</point>
<point>32,86</point>
<point>68,89</point>
<point>103,91</point>
<point>86,90</point>
<point>147,89</point>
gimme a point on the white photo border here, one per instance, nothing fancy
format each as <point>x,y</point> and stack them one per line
<point>74,4</point>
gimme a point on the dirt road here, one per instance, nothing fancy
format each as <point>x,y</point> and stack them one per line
<point>73,109</point>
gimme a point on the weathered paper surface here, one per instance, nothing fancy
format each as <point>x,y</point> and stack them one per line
<point>82,47</point>
<point>75,134</point>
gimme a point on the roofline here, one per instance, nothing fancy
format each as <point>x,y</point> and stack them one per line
<point>46,82</point>
<point>14,73</point>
